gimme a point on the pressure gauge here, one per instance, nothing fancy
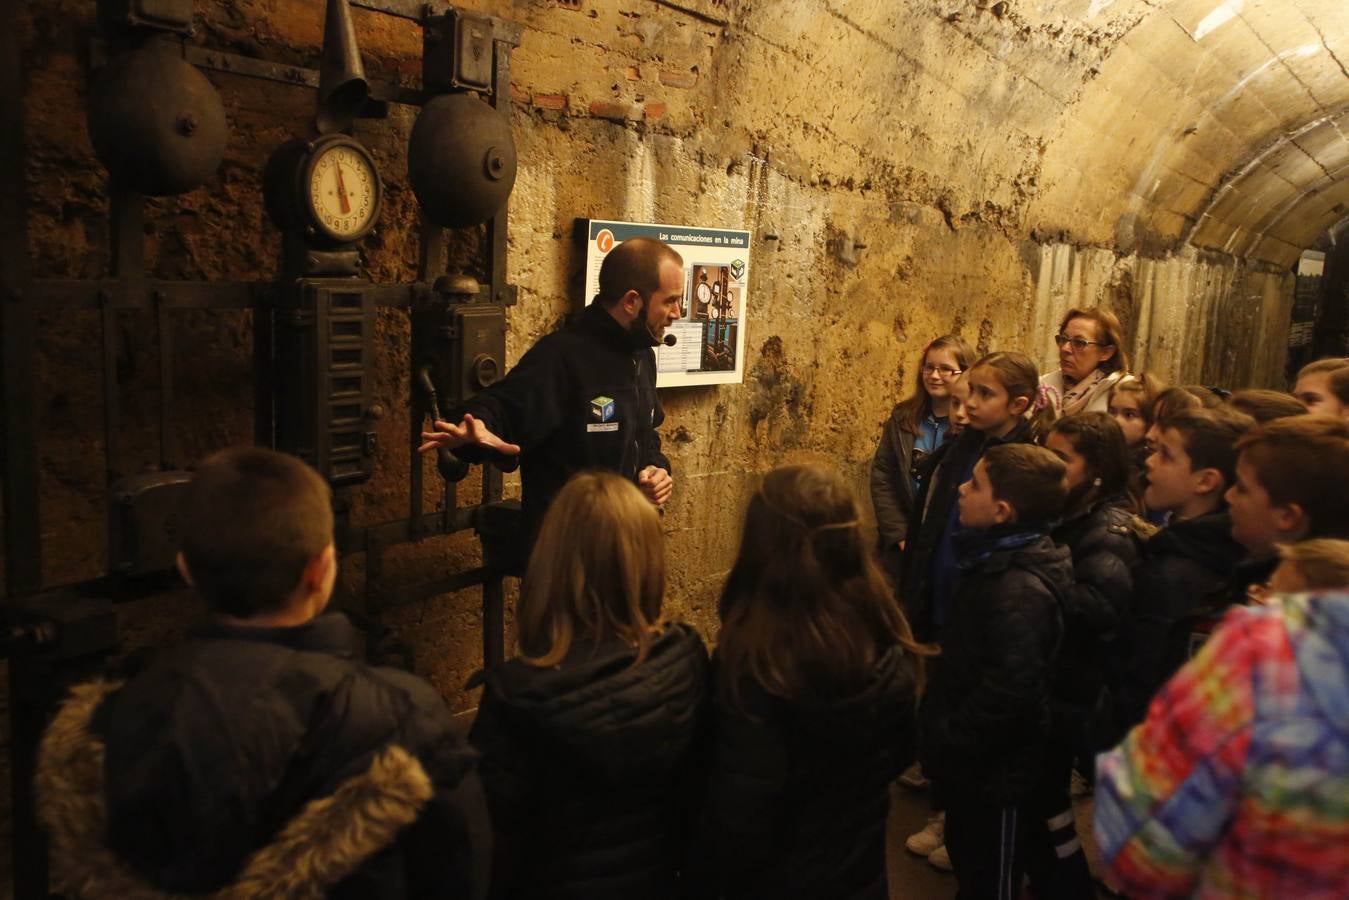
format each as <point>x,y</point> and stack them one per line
<point>327,188</point>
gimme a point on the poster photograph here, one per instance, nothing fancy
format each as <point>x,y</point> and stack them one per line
<point>709,339</point>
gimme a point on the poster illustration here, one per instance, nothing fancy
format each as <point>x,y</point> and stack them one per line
<point>709,338</point>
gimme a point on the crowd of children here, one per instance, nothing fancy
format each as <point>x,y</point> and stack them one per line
<point>1065,564</point>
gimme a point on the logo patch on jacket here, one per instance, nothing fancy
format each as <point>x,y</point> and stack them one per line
<point>602,409</point>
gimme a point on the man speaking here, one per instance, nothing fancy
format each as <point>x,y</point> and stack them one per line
<point>583,397</point>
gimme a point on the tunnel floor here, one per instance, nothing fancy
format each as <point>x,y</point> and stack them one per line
<point>911,878</point>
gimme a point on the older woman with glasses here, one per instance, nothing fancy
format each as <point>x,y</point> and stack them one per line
<point>1092,360</point>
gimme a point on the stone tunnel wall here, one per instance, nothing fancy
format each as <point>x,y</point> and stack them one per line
<point>886,189</point>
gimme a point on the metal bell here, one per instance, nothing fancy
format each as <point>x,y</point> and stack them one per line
<point>156,122</point>
<point>461,160</point>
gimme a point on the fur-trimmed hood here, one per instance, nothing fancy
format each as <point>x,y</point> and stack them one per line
<point>325,842</point>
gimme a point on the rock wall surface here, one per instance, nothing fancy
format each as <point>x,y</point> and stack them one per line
<point>906,169</point>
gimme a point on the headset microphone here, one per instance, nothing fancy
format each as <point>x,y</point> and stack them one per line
<point>669,340</point>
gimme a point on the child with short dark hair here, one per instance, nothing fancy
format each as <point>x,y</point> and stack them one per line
<point>1192,464</point>
<point>591,737</point>
<point>258,754</point>
<point>817,681</point>
<point>986,716</point>
<point>1292,483</point>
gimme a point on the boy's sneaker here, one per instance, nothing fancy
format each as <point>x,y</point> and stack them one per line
<point>930,839</point>
<point>940,859</point>
<point>913,778</point>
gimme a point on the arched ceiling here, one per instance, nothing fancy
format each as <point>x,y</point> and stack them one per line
<point>1135,124</point>
<point>1223,123</point>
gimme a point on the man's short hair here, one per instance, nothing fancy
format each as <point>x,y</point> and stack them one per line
<point>251,521</point>
<point>634,265</point>
<point>1029,479</point>
<point>1304,460</point>
<point>1210,437</point>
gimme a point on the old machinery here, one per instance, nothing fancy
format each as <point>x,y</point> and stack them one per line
<point>326,192</point>
<point>156,122</point>
<point>461,160</point>
<point>343,89</point>
<point>322,376</point>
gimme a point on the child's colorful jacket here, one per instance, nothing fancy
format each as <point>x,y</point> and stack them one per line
<point>1237,783</point>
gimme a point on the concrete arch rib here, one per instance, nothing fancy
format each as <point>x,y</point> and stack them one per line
<point>1283,198</point>
<point>1219,123</point>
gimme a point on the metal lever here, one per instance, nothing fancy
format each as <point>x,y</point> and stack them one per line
<point>450,467</point>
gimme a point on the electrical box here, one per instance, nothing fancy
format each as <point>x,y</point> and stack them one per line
<point>457,53</point>
<point>143,522</point>
<point>166,15</point>
<point>323,376</point>
<point>480,352</point>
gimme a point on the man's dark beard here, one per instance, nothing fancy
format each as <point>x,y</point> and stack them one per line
<point>640,330</point>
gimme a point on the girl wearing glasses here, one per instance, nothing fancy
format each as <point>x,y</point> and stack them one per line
<point>916,428</point>
<point>1091,361</point>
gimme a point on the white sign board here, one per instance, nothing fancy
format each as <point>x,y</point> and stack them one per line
<point>710,345</point>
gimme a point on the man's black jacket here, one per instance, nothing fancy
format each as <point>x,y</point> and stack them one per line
<point>591,769</point>
<point>250,756</point>
<point>552,405</point>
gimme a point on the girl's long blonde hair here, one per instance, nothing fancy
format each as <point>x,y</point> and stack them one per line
<point>597,571</point>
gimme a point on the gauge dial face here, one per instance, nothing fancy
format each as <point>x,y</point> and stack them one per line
<point>344,192</point>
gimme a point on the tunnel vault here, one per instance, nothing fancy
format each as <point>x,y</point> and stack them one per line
<point>1215,122</point>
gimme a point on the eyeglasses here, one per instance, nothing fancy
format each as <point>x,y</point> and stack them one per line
<point>1078,344</point>
<point>943,371</point>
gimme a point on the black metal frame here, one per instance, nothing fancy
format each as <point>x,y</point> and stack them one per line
<point>41,662</point>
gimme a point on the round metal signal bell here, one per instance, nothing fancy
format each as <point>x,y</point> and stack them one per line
<point>156,122</point>
<point>461,160</point>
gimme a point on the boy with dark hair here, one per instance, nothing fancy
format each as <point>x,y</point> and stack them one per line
<point>1192,464</point>
<point>986,717</point>
<point>1292,483</point>
<point>258,757</point>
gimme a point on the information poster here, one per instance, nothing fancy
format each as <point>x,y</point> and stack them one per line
<point>709,336</point>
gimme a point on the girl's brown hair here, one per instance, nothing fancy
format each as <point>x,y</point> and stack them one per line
<point>1109,332</point>
<point>1172,402</point>
<point>597,571</point>
<point>1147,386</point>
<point>805,610</point>
<point>1019,378</point>
<point>1099,440</point>
<point>1266,406</point>
<point>918,405</point>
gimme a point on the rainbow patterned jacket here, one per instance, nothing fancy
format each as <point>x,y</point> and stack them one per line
<point>1237,783</point>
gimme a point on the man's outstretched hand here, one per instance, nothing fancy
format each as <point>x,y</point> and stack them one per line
<point>469,431</point>
<point>656,484</point>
